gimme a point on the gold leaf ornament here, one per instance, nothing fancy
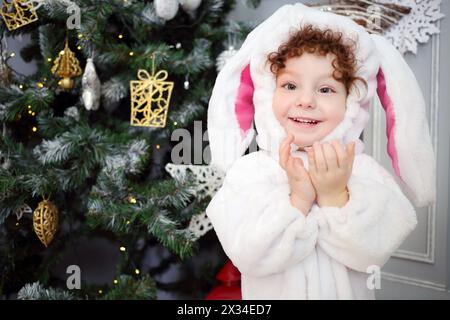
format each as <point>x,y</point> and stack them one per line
<point>18,13</point>
<point>150,98</point>
<point>45,221</point>
<point>66,66</point>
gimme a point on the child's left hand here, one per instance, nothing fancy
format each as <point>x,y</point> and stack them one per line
<point>330,167</point>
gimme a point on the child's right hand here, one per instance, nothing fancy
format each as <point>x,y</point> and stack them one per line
<point>303,193</point>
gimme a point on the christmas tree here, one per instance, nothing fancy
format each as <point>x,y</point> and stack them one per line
<point>86,149</point>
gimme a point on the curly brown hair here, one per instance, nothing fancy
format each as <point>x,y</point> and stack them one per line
<point>313,40</point>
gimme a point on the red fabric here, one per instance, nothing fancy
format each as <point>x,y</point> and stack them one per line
<point>229,287</point>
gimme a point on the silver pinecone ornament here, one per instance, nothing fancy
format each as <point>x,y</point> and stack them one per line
<point>91,87</point>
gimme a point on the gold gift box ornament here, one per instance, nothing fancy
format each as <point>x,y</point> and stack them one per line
<point>18,13</point>
<point>150,99</point>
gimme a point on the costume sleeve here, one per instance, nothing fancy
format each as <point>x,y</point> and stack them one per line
<point>372,225</point>
<point>259,229</point>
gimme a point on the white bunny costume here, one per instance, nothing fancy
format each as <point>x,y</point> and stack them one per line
<point>280,253</point>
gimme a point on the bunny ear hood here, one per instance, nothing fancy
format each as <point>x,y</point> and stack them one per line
<point>241,99</point>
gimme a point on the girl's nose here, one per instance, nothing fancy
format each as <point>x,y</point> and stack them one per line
<point>305,100</point>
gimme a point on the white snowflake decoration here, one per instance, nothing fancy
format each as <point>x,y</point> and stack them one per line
<point>417,26</point>
<point>200,225</point>
<point>209,180</point>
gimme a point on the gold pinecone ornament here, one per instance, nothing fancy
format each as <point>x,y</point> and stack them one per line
<point>66,66</point>
<point>45,221</point>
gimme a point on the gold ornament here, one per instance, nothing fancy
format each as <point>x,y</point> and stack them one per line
<point>66,66</point>
<point>150,98</point>
<point>18,13</point>
<point>45,221</point>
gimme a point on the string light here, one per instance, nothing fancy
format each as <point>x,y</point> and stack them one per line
<point>120,36</point>
<point>80,35</point>
<point>29,107</point>
<point>49,59</point>
<point>175,123</point>
<point>40,84</point>
<point>131,53</point>
<point>122,249</point>
<point>79,47</point>
<point>34,129</point>
<point>157,146</point>
<point>133,200</point>
<point>137,271</point>
<point>21,86</point>
<point>128,222</point>
<point>62,52</point>
<point>12,54</point>
<point>33,114</point>
<point>115,281</point>
<point>17,224</point>
<point>100,291</point>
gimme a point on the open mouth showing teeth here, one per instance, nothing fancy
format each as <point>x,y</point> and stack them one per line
<point>305,122</point>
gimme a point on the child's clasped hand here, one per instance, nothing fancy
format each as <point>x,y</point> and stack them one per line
<point>330,167</point>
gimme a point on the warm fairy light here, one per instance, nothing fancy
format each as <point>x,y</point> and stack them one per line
<point>122,249</point>
<point>133,200</point>
<point>49,59</point>
<point>100,291</point>
<point>21,86</point>
<point>17,224</point>
<point>120,36</point>
<point>29,107</point>
<point>80,35</point>
<point>62,52</point>
<point>30,112</point>
<point>33,113</point>
<point>157,146</point>
<point>40,84</point>
<point>115,281</point>
<point>12,54</point>
<point>175,123</point>
<point>34,129</point>
<point>79,47</point>
<point>137,271</point>
<point>131,53</point>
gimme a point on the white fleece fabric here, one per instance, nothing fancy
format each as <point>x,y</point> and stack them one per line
<point>282,254</point>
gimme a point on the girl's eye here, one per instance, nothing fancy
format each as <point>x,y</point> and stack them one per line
<point>329,90</point>
<point>289,86</point>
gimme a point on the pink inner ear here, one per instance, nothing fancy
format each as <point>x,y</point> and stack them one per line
<point>390,119</point>
<point>244,107</point>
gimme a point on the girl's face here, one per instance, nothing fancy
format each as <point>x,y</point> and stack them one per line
<point>307,101</point>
